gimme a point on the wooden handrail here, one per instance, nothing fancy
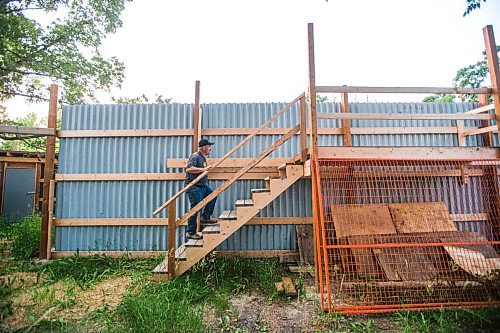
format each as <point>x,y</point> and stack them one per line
<point>237,175</point>
<point>248,138</point>
<point>481,109</point>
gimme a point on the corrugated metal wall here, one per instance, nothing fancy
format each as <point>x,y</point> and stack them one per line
<point>137,199</point>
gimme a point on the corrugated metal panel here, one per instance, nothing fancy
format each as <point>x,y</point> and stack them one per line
<point>137,199</point>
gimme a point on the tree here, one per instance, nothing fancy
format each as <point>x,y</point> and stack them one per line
<point>64,51</point>
<point>472,5</point>
<point>442,98</point>
<point>141,99</point>
<point>471,76</point>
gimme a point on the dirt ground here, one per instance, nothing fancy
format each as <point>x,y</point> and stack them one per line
<point>76,302</point>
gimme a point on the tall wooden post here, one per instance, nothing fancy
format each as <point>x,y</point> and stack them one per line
<point>313,123</point>
<point>303,129</point>
<point>313,133</point>
<point>171,239</point>
<point>346,123</point>
<point>50,152</point>
<point>196,117</point>
<point>491,55</point>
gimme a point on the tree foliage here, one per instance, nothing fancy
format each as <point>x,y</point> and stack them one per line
<point>64,50</point>
<point>441,98</point>
<point>472,5</point>
<point>141,99</point>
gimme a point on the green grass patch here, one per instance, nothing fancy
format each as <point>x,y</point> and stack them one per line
<point>26,237</point>
<point>86,271</point>
<point>179,305</point>
<point>460,320</point>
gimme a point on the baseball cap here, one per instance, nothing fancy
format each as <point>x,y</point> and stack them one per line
<point>205,142</point>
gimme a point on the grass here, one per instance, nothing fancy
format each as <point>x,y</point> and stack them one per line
<point>163,307</point>
<point>462,320</point>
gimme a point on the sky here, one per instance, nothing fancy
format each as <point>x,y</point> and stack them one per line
<point>256,51</point>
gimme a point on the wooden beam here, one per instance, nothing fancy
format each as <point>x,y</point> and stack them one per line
<point>50,150</point>
<point>164,221</point>
<point>221,175</point>
<point>23,130</point>
<point>255,253</point>
<point>482,130</point>
<point>346,123</point>
<point>491,55</point>
<point>22,159</point>
<point>400,116</point>
<point>485,106</point>
<point>400,90</point>
<point>273,162</point>
<point>243,131</point>
<point>196,117</point>
<point>149,254</point>
<point>110,222</point>
<point>487,137</point>
<point>171,238</point>
<point>313,122</point>
<point>303,130</point>
<point>124,133</point>
<point>408,152</point>
<point>460,132</point>
<point>112,254</point>
<point>52,187</point>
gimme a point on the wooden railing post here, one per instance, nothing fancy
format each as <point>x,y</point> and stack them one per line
<point>50,151</point>
<point>196,117</point>
<point>303,130</point>
<point>491,55</point>
<point>346,123</point>
<point>487,137</point>
<point>52,188</point>
<point>171,238</point>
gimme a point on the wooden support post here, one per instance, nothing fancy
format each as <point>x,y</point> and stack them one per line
<point>346,123</point>
<point>196,117</point>
<point>52,187</point>
<point>487,137</point>
<point>50,150</point>
<point>303,130</point>
<point>171,238</point>
<point>460,132</point>
<point>313,142</point>
<point>313,123</point>
<point>491,55</point>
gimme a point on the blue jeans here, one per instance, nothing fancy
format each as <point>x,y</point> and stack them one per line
<point>196,194</point>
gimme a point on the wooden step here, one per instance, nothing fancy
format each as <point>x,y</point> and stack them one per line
<point>194,243</point>
<point>228,215</point>
<point>267,181</point>
<point>211,229</point>
<point>162,268</point>
<point>260,190</point>
<point>243,202</point>
<point>180,253</point>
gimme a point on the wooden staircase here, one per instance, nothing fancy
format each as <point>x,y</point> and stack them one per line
<point>192,251</point>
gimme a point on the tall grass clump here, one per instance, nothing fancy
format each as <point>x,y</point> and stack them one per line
<point>26,237</point>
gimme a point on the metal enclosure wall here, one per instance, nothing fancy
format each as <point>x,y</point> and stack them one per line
<point>137,199</point>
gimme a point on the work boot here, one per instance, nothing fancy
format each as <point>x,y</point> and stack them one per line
<point>209,221</point>
<point>193,236</point>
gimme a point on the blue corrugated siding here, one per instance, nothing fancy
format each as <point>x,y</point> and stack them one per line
<point>137,199</point>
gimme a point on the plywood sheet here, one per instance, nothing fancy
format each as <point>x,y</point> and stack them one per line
<point>405,264</point>
<point>356,220</point>
<point>305,241</point>
<point>472,261</point>
<point>421,217</point>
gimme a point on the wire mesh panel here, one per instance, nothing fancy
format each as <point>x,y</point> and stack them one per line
<point>415,234</point>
